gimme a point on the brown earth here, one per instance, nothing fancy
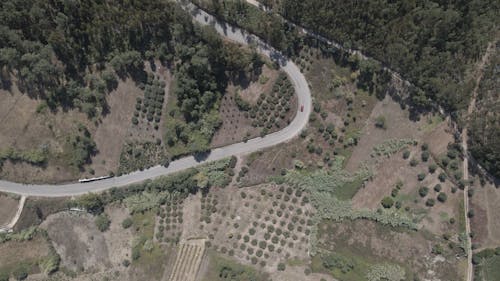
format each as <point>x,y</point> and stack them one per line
<point>8,208</point>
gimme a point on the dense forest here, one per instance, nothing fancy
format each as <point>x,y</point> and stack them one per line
<point>58,50</point>
<point>484,133</point>
<point>70,54</point>
<point>431,43</point>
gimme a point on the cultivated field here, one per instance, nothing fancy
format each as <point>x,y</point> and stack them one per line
<point>188,260</point>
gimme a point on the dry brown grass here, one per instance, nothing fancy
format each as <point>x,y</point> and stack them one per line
<point>398,126</point>
<point>486,223</point>
<point>8,207</point>
<point>27,252</point>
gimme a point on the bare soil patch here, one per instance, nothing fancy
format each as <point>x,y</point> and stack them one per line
<point>8,207</point>
<point>77,240</point>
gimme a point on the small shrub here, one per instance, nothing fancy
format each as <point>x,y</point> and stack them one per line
<point>380,122</point>
<point>442,197</point>
<point>442,177</point>
<point>387,202</point>
<point>102,222</point>
<point>281,266</point>
<point>423,191</point>
<point>406,154</point>
<point>425,155</point>
<point>413,162</point>
<point>432,168</point>
<point>430,202</point>
<point>126,223</point>
<point>421,177</point>
<point>20,272</point>
<point>470,214</point>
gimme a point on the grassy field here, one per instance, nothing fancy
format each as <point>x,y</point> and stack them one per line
<point>491,269</point>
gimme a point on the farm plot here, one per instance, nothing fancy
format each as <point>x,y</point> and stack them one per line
<point>246,114</point>
<point>169,228</point>
<point>263,225</point>
<point>187,263</point>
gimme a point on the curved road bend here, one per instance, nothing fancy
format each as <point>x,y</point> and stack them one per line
<point>293,129</point>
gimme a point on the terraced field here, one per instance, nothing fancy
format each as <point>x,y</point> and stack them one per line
<point>188,260</point>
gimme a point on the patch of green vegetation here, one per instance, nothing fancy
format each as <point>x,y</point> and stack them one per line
<point>79,147</point>
<point>491,269</point>
<point>432,122</point>
<point>140,155</point>
<point>461,216</point>
<point>222,269</point>
<point>143,225</point>
<point>487,265</point>
<point>389,147</point>
<point>23,235</point>
<point>20,266</point>
<point>147,200</point>
<point>102,222</point>
<point>151,260</point>
<point>33,157</point>
<point>352,266</point>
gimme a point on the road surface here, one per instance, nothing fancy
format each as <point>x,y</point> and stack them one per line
<point>293,129</point>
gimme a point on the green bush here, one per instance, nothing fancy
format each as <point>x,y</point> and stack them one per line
<point>406,154</point>
<point>102,222</point>
<point>380,122</point>
<point>432,168</point>
<point>281,266</point>
<point>421,176</point>
<point>425,156</point>
<point>126,223</point>
<point>387,202</point>
<point>423,191</point>
<point>20,272</point>
<point>4,276</point>
<point>442,197</point>
<point>442,177</point>
<point>430,202</point>
<point>136,253</point>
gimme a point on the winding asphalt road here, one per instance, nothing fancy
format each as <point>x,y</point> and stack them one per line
<point>293,129</point>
